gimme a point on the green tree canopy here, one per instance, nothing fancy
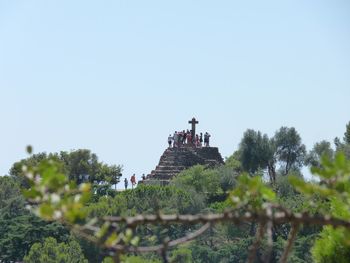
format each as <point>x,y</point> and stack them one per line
<point>50,251</point>
<point>319,150</point>
<point>80,166</point>
<point>19,229</point>
<point>344,146</point>
<point>256,151</point>
<point>200,179</point>
<point>290,150</point>
<point>347,134</point>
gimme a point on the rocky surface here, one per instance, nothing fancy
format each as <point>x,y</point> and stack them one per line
<point>175,160</point>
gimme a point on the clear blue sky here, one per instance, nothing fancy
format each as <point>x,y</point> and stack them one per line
<point>117,77</point>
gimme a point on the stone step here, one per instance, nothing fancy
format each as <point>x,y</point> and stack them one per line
<point>166,172</point>
<point>173,158</point>
<point>164,177</point>
<point>161,182</point>
<point>170,167</point>
<point>171,163</point>
<point>211,162</point>
<point>163,174</point>
<point>165,167</point>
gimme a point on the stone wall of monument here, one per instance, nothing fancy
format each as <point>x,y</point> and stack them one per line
<point>175,160</point>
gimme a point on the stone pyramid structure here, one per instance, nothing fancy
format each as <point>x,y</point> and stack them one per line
<point>176,159</point>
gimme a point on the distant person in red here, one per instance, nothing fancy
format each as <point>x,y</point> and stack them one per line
<point>197,141</point>
<point>189,138</point>
<point>133,181</point>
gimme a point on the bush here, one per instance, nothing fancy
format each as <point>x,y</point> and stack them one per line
<point>52,252</point>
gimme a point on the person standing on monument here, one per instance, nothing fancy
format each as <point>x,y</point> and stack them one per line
<point>133,181</point>
<point>180,138</point>
<point>206,139</point>
<point>189,138</point>
<point>126,183</point>
<point>176,139</point>
<point>201,139</point>
<point>187,132</point>
<point>170,140</point>
<point>184,134</point>
<point>197,141</point>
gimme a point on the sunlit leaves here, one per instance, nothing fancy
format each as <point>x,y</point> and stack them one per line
<point>334,189</point>
<point>251,192</point>
<point>51,195</point>
<point>332,247</point>
<point>51,251</point>
<point>109,236</point>
<point>334,185</point>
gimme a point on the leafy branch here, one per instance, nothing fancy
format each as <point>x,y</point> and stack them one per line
<point>53,197</point>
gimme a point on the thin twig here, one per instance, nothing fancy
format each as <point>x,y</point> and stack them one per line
<point>269,226</point>
<point>116,257</point>
<point>265,219</point>
<point>164,251</point>
<point>235,217</point>
<point>291,237</point>
<point>254,247</point>
<point>159,248</point>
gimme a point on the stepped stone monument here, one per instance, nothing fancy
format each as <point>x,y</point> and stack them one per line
<point>176,159</point>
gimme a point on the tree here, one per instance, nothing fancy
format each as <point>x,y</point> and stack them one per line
<point>256,151</point>
<point>11,199</point>
<point>147,199</point>
<point>289,149</point>
<point>52,252</point>
<point>345,145</point>
<point>202,180</point>
<point>16,171</point>
<point>320,149</point>
<point>182,255</point>
<point>273,218</point>
<point>332,199</point>
<point>83,166</point>
<point>228,177</point>
<point>332,246</point>
<point>80,166</point>
<point>19,229</point>
<point>132,259</point>
<point>347,134</point>
<point>233,162</point>
<point>255,205</point>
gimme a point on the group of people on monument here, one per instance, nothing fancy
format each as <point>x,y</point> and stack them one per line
<point>181,138</point>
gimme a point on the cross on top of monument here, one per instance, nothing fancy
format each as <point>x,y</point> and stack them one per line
<point>193,130</point>
<point>193,122</point>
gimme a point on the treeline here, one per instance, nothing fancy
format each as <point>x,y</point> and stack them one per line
<point>24,236</point>
<point>284,152</point>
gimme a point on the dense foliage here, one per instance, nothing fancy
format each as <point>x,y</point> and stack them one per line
<point>240,184</point>
<point>50,252</point>
<point>79,165</point>
<point>20,229</point>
